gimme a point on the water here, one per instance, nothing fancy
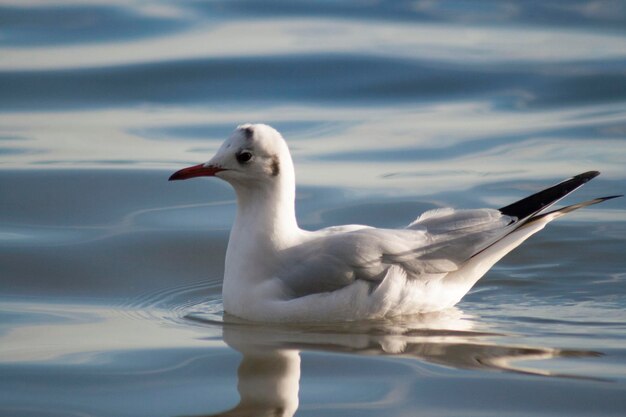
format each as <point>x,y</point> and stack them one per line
<point>110,277</point>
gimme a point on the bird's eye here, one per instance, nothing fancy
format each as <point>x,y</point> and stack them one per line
<point>244,157</point>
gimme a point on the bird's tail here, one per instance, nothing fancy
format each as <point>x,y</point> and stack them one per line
<point>527,207</point>
<point>529,218</point>
<point>528,211</point>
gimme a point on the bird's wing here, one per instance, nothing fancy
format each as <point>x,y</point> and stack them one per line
<point>436,243</point>
<point>457,235</point>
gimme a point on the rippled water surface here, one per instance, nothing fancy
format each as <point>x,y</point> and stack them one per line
<point>110,277</point>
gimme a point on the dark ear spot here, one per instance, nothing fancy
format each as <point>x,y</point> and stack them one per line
<point>248,132</point>
<point>275,166</point>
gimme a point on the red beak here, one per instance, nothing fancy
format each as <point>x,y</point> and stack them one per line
<point>196,171</point>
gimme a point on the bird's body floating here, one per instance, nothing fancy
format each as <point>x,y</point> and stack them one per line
<point>277,272</point>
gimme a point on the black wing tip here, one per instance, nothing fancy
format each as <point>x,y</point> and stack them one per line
<point>611,197</point>
<point>586,176</point>
<point>540,201</point>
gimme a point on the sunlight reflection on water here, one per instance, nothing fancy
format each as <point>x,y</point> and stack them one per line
<point>111,277</point>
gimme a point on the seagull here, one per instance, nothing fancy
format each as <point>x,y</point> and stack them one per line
<point>277,272</point>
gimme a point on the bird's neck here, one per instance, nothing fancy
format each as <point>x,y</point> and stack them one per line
<point>266,215</point>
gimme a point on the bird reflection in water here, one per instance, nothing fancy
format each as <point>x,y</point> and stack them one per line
<point>269,372</point>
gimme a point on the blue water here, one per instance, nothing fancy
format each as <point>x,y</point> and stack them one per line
<point>110,276</point>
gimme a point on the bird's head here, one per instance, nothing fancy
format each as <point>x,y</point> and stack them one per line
<point>253,154</point>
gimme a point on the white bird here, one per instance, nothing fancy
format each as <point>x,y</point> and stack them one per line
<point>277,272</point>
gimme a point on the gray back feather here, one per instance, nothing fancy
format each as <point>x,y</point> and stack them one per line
<point>437,242</point>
